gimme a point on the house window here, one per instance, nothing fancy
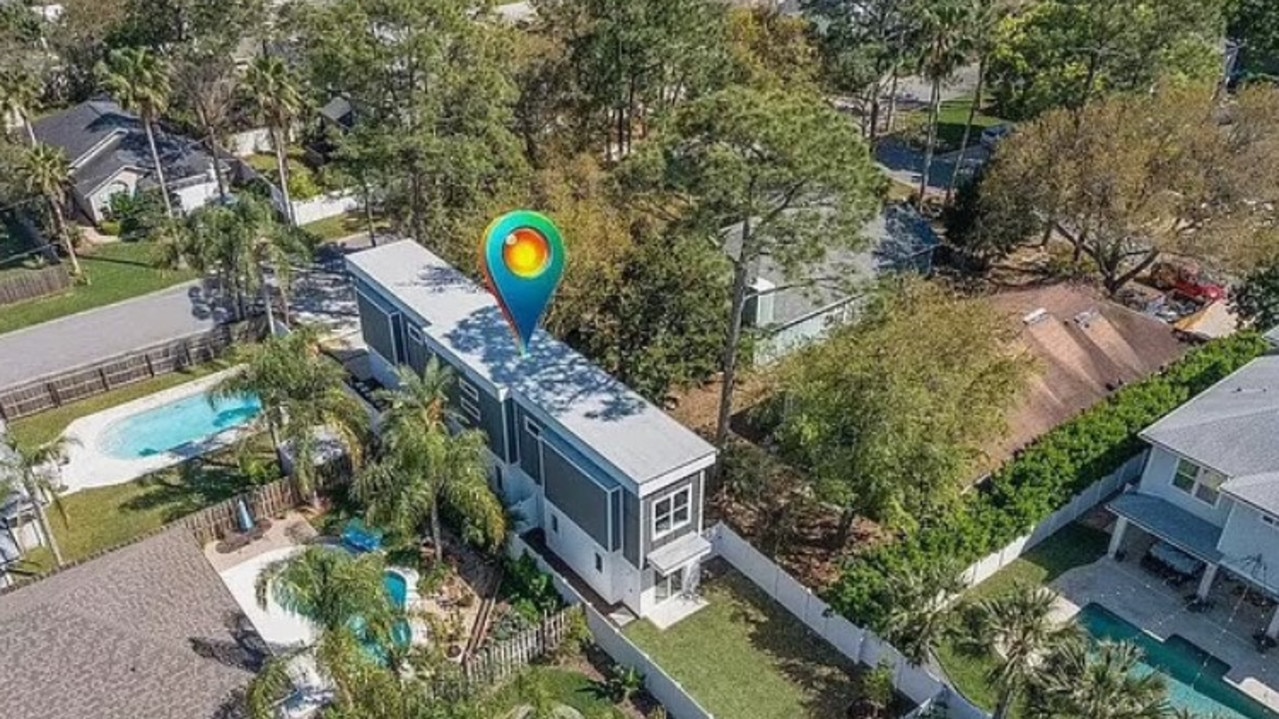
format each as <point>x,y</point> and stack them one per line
<point>599,563</point>
<point>531,427</point>
<point>672,512</point>
<point>468,390</point>
<point>470,409</point>
<point>1270,519</point>
<point>415,334</point>
<point>555,524</point>
<point>669,585</point>
<point>1200,482</point>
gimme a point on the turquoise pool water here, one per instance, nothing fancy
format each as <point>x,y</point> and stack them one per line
<point>170,426</point>
<point>1194,677</point>
<point>398,588</point>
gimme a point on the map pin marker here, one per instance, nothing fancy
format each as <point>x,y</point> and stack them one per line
<point>522,256</point>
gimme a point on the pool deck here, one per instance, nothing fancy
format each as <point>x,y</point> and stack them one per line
<point>1142,599</point>
<point>88,465</point>
<point>240,569</point>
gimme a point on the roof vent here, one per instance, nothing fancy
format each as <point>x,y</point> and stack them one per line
<point>1085,318</point>
<point>1038,315</point>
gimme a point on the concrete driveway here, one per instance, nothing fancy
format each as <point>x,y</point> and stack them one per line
<point>69,342</point>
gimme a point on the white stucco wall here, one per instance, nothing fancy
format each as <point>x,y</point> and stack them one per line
<point>578,550</point>
<point>196,196</point>
<point>1245,540</point>
<point>1157,480</point>
<point>99,202</point>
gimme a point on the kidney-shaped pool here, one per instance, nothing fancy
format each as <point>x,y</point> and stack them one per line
<point>176,424</point>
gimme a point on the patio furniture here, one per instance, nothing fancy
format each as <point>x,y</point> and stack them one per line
<point>1171,563</point>
<point>360,537</point>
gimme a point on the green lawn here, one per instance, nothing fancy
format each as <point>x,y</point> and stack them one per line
<point>1074,546</point>
<point>950,125</point>
<point>46,426</point>
<point>336,228</point>
<point>746,656</point>
<point>105,517</point>
<point>116,272</point>
<point>564,686</point>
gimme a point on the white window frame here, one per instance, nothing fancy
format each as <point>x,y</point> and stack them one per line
<point>532,427</point>
<point>1205,478</point>
<point>469,390</point>
<point>414,333</point>
<point>669,500</point>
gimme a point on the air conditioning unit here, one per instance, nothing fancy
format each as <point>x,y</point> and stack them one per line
<point>758,311</point>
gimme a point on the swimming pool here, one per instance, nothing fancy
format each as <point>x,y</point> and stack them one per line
<point>398,587</point>
<point>169,426</point>
<point>1194,677</point>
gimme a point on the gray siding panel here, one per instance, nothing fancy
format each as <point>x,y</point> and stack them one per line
<point>512,435</point>
<point>375,324</point>
<point>695,504</point>
<point>418,354</point>
<point>630,528</point>
<point>580,499</point>
<point>530,455</point>
<point>492,424</point>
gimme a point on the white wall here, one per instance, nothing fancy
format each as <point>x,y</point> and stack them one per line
<point>249,142</point>
<point>1245,540</point>
<point>100,201</point>
<point>1157,481</point>
<point>578,550</point>
<point>197,196</point>
<point>325,206</point>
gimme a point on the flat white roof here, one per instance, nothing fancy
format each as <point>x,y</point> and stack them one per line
<point>624,430</point>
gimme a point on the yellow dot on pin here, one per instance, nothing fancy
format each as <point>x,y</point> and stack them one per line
<point>526,252</point>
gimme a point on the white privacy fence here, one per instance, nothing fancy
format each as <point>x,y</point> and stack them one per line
<point>1080,505</point>
<point>857,644</point>
<point>678,702</point>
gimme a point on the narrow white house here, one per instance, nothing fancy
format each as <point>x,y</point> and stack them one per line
<point>1210,490</point>
<point>610,484</point>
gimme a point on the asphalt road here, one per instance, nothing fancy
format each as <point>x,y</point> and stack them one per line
<point>80,339</point>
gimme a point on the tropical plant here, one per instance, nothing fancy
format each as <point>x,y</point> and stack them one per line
<point>23,469</point>
<point>877,688</point>
<point>921,617</point>
<point>276,96</point>
<point>302,392</point>
<point>331,589</point>
<point>138,78</point>
<point>624,682</point>
<point>1079,681</point>
<point>423,462</point>
<point>19,92</point>
<point>945,27</point>
<point>1017,628</point>
<point>44,170</point>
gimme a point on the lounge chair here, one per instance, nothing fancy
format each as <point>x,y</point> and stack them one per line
<point>361,537</point>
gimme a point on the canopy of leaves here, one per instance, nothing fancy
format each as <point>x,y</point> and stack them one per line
<point>1060,53</point>
<point>930,378</point>
<point>1134,176</point>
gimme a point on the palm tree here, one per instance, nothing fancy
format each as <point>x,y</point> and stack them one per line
<point>19,92</point>
<point>276,96</point>
<point>1017,628</point>
<point>45,171</point>
<point>985,17</point>
<point>920,618</point>
<point>23,466</point>
<point>330,588</point>
<point>1081,682</point>
<point>300,390</point>
<point>424,463</point>
<point>139,80</point>
<point>944,31</point>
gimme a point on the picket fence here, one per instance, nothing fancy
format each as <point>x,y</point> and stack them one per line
<point>678,702</point>
<point>1078,506</point>
<point>497,662</point>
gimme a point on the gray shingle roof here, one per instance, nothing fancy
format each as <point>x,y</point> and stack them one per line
<point>99,139</point>
<point>146,631</point>
<point>624,430</point>
<point>896,239</point>
<point>1231,427</point>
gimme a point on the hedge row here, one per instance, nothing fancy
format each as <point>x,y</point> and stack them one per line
<point>1041,480</point>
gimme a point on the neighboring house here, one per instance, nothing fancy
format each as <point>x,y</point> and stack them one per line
<point>338,114</point>
<point>792,313</point>
<point>1210,487</point>
<point>1084,346</point>
<point>614,482</point>
<point>149,630</point>
<point>19,529</point>
<point>109,154</point>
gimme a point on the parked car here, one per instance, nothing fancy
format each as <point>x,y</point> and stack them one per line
<point>995,134</point>
<point>1186,281</point>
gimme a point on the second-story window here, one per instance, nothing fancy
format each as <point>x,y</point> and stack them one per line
<point>469,398</point>
<point>1199,482</point>
<point>672,512</point>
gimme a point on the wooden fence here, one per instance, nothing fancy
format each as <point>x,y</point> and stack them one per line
<point>22,285</point>
<point>497,662</point>
<point>35,396</point>
<point>269,500</point>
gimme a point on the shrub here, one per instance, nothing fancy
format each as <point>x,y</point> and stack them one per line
<point>528,589</point>
<point>110,227</point>
<point>1042,479</point>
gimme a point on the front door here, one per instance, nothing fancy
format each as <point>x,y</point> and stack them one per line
<point>670,585</point>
